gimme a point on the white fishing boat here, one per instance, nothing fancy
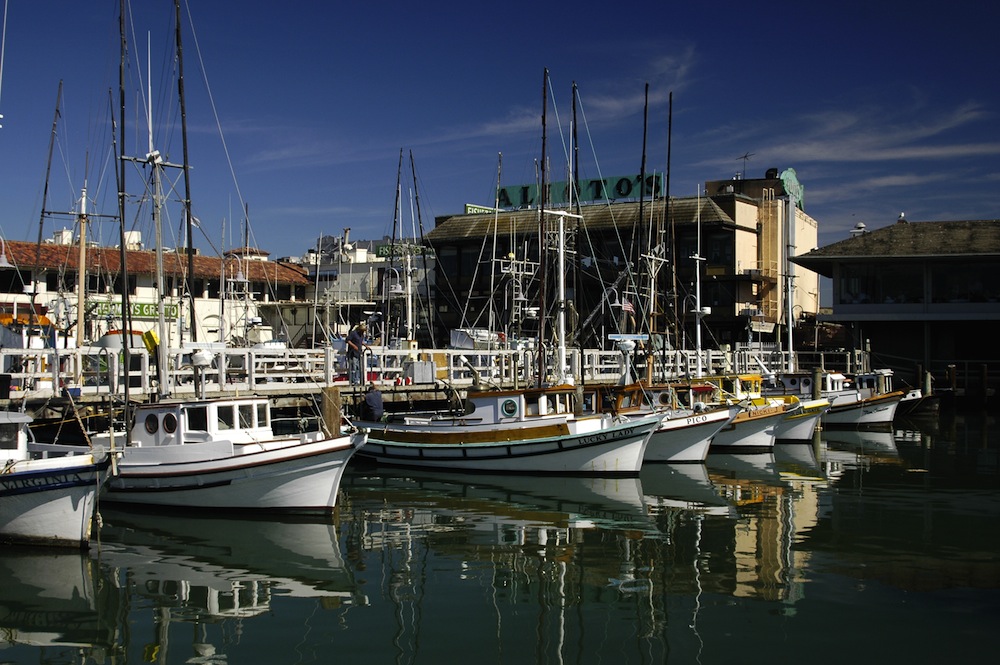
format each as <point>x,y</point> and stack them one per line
<point>222,453</point>
<point>863,399</point>
<point>48,501</point>
<point>801,423</point>
<point>686,431</point>
<point>538,430</point>
<point>753,428</point>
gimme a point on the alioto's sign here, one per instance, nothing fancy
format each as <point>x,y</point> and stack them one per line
<point>139,310</point>
<point>597,189</point>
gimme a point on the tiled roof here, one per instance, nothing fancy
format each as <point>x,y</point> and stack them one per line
<point>49,256</point>
<point>910,240</point>
<point>596,217</point>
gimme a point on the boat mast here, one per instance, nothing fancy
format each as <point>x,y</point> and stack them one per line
<point>423,254</point>
<point>81,271</point>
<point>156,162</point>
<point>699,312</point>
<point>543,200</point>
<point>123,250</point>
<point>189,221</point>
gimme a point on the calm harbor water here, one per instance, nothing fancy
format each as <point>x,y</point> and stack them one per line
<point>863,547</point>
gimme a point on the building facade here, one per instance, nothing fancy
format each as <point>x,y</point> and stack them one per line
<point>630,268</point>
<point>923,296</point>
<point>39,286</point>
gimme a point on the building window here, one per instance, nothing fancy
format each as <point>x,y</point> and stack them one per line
<point>60,281</point>
<point>13,281</point>
<point>964,283</point>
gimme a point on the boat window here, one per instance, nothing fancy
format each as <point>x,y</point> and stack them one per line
<point>225,418</point>
<point>246,415</point>
<point>197,418</point>
<point>262,415</point>
<point>169,423</point>
<point>152,423</point>
<point>8,436</point>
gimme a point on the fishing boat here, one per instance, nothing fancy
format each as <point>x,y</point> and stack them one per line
<point>50,501</point>
<point>222,453</point>
<point>686,431</point>
<point>856,400</point>
<point>546,430</point>
<point>756,424</point>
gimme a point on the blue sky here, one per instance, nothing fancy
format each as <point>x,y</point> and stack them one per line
<point>299,110</point>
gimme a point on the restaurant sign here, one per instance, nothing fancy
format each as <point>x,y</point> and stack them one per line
<point>139,310</point>
<point>596,189</point>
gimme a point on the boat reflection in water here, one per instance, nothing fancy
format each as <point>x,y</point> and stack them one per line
<point>876,443</point>
<point>683,487</point>
<point>55,605</point>
<point>216,573</point>
<point>552,557</point>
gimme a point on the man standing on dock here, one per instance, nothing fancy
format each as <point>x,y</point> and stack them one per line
<point>355,344</point>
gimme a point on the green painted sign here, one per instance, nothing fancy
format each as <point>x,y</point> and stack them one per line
<point>597,189</point>
<point>139,310</point>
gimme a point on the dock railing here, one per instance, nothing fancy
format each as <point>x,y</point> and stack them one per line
<point>98,371</point>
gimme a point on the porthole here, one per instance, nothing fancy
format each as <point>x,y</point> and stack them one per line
<point>664,398</point>
<point>152,423</point>
<point>793,382</point>
<point>509,408</point>
<point>170,423</point>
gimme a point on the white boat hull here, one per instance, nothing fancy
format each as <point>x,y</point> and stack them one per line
<point>281,475</point>
<point>756,433</point>
<point>801,424</point>
<point>686,438</point>
<point>51,501</point>
<point>597,446</point>
<point>877,410</point>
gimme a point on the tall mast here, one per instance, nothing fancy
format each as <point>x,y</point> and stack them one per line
<point>81,271</point>
<point>187,183</point>
<point>697,291</point>
<point>543,200</point>
<point>122,249</point>
<point>423,253</point>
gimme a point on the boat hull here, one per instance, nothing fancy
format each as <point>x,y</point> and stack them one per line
<point>596,446</point>
<point>290,476</point>
<point>878,410</point>
<point>753,430</point>
<point>51,501</point>
<point>686,439</point>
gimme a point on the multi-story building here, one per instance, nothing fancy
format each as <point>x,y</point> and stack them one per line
<point>631,267</point>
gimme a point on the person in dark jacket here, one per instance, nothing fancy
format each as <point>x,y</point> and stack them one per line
<point>372,408</point>
<point>355,347</point>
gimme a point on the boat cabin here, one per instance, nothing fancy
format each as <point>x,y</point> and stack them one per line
<point>496,406</point>
<point>13,436</point>
<point>239,420</point>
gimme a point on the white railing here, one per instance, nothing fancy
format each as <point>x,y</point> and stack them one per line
<point>96,371</point>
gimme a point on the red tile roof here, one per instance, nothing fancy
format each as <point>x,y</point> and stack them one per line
<point>50,256</point>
